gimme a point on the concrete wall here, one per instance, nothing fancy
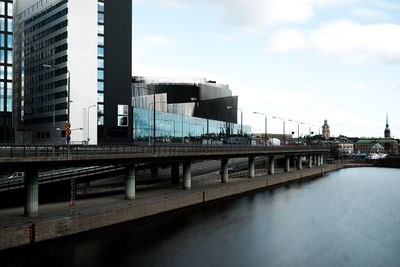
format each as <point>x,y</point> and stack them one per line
<point>14,236</point>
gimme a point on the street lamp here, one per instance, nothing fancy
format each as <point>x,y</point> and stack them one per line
<point>265,125</point>
<point>88,121</point>
<point>47,66</point>
<point>284,133</point>
<point>241,118</point>
<point>298,128</point>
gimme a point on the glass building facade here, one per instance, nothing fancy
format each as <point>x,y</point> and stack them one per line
<point>100,64</point>
<point>174,128</point>
<point>6,58</point>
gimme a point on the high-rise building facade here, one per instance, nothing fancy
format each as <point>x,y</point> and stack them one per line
<point>6,58</point>
<point>70,46</point>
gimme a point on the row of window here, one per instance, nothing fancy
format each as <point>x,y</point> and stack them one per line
<point>47,21</point>
<point>3,9</point>
<point>9,56</point>
<point>5,72</point>
<point>100,63</point>
<point>46,32</point>
<point>45,43</point>
<point>45,76</point>
<point>3,40</point>
<point>57,118</point>
<point>8,104</point>
<point>6,94</point>
<point>44,109</point>
<point>45,98</point>
<point>3,25</point>
<point>38,68</point>
<point>41,14</point>
<point>45,87</point>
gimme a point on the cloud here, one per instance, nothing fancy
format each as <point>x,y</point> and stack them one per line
<point>155,40</point>
<point>349,42</point>
<point>287,39</point>
<point>367,13</point>
<point>358,86</point>
<point>255,14</point>
<point>355,43</point>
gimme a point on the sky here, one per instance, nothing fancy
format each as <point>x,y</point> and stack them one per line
<point>303,60</point>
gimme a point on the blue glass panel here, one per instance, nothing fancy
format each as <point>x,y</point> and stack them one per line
<point>9,57</point>
<point>100,51</point>
<point>100,17</point>
<point>9,40</point>
<point>100,86</point>
<point>100,75</point>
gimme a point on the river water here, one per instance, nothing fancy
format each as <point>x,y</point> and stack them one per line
<point>346,218</point>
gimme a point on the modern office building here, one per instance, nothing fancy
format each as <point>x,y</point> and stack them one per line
<point>6,58</point>
<point>195,111</point>
<point>80,47</point>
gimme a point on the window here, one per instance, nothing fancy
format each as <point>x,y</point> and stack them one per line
<point>10,9</point>
<point>100,75</point>
<point>100,29</point>
<point>100,97</point>
<point>100,86</point>
<point>2,42</point>
<point>9,25</point>
<point>100,51</point>
<point>122,121</point>
<point>9,104</point>
<point>9,57</point>
<point>1,56</point>
<point>1,72</point>
<point>100,109</point>
<point>100,120</point>
<point>100,17</point>
<point>2,24</point>
<point>100,7</point>
<point>100,40</point>
<point>2,8</point>
<point>9,73</point>
<point>9,40</point>
<point>100,63</point>
<point>122,109</point>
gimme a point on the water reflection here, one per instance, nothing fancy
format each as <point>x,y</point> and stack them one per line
<point>347,218</point>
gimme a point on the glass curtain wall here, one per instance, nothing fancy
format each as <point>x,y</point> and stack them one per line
<point>173,128</point>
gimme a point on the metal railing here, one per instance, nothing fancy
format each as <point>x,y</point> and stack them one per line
<point>25,151</point>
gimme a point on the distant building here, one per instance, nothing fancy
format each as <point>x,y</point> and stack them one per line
<point>387,129</point>
<point>374,145</point>
<point>326,134</point>
<point>346,147</point>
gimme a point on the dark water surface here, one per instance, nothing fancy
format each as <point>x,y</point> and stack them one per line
<point>347,218</point>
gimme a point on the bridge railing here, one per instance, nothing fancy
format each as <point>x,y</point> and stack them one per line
<point>12,151</point>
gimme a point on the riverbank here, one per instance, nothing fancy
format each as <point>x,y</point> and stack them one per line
<point>55,221</point>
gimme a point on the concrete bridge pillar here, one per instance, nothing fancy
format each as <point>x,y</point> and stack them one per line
<point>31,181</point>
<point>224,170</point>
<point>130,182</point>
<point>315,160</point>
<point>287,164</point>
<point>187,175</point>
<point>322,159</point>
<point>299,162</point>
<point>175,173</point>
<point>251,167</point>
<point>319,160</point>
<point>272,165</point>
<point>154,172</point>
<point>310,161</point>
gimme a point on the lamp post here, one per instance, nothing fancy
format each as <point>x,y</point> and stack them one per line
<point>47,66</point>
<point>241,118</point>
<point>88,123</point>
<point>284,135</point>
<point>298,128</point>
<point>265,125</point>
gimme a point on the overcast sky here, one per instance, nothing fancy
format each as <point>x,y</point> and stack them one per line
<point>305,60</point>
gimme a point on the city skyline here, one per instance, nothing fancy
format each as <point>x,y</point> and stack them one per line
<point>304,60</point>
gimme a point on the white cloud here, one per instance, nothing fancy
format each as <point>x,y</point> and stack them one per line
<point>344,40</point>
<point>358,86</point>
<point>355,43</point>
<point>255,14</point>
<point>367,13</point>
<point>286,39</point>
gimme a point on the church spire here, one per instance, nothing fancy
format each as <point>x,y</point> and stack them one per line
<point>387,129</point>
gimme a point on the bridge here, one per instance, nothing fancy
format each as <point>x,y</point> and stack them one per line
<point>33,158</point>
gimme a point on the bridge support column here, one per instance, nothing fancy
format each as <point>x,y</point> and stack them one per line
<point>224,170</point>
<point>310,161</point>
<point>271,165</point>
<point>187,175</point>
<point>299,162</point>
<point>315,160</point>
<point>322,159</point>
<point>154,172</point>
<point>175,173</point>
<point>130,182</point>
<point>251,167</point>
<point>287,164</point>
<point>31,181</point>
<point>318,160</point>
